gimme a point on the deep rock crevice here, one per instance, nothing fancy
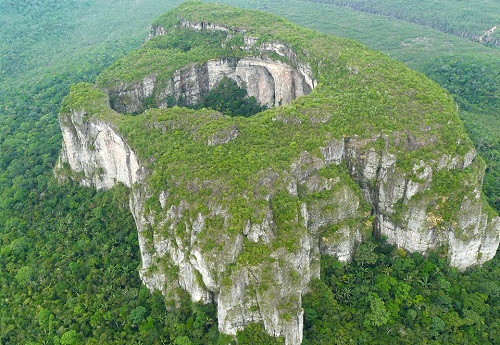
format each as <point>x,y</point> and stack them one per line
<point>272,82</point>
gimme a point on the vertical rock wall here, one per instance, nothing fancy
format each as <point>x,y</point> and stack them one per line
<point>100,157</point>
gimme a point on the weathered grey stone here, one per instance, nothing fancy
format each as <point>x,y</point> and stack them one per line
<point>102,158</point>
<point>269,289</point>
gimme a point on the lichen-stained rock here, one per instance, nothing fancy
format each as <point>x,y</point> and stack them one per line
<point>237,211</point>
<point>130,98</point>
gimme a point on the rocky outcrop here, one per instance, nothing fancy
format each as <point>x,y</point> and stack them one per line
<point>257,285</point>
<point>242,289</point>
<point>131,98</point>
<point>405,208</point>
<point>96,153</point>
<point>251,242</point>
<point>272,83</point>
<point>246,291</point>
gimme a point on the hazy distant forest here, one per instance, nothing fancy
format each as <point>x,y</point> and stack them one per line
<point>69,256</point>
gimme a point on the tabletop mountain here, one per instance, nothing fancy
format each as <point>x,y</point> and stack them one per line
<point>236,210</point>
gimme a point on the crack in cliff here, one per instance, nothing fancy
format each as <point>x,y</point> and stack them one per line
<point>256,292</point>
<point>375,192</point>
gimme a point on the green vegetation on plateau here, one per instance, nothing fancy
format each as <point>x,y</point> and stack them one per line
<point>64,248</point>
<point>413,40</point>
<point>360,93</point>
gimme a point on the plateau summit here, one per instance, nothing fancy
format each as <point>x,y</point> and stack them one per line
<point>236,211</point>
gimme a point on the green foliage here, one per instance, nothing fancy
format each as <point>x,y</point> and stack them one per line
<point>85,97</point>
<point>86,286</point>
<point>403,299</point>
<point>371,95</point>
<point>183,340</point>
<point>462,21</point>
<point>137,314</point>
<point>391,27</point>
<point>70,338</point>
<point>186,40</point>
<point>40,37</point>
<point>68,257</point>
<point>470,78</point>
<point>228,98</point>
<point>24,275</point>
<point>384,97</point>
<point>378,314</point>
<point>366,254</point>
<point>162,58</point>
<point>46,46</point>
<point>474,81</point>
<point>285,209</point>
<point>255,334</point>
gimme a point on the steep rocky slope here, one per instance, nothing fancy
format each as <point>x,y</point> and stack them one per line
<point>236,211</point>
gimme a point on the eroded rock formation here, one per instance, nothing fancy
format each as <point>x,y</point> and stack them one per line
<point>245,295</point>
<point>271,82</point>
<point>251,245</point>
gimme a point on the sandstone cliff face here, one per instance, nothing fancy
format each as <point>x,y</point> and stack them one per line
<point>271,82</point>
<point>244,292</point>
<point>242,289</point>
<point>243,295</point>
<point>407,218</point>
<point>253,250</point>
<point>95,151</point>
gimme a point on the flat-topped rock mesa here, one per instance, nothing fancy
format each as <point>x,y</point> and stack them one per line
<point>238,211</point>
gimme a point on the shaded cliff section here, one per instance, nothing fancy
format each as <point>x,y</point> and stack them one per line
<point>251,242</point>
